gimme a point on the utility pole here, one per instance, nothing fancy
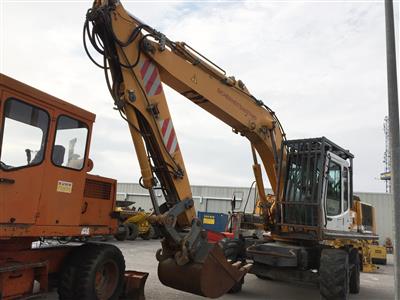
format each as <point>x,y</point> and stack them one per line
<point>394,135</point>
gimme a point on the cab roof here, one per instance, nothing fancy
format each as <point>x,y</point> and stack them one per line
<point>10,83</point>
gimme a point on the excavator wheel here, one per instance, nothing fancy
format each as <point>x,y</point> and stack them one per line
<point>149,234</point>
<point>354,272</point>
<point>334,274</point>
<point>122,233</point>
<point>233,250</point>
<point>93,272</point>
<point>133,231</point>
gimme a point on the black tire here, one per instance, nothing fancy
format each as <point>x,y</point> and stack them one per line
<point>361,263</point>
<point>149,234</point>
<point>122,233</point>
<point>95,272</point>
<point>133,231</point>
<point>334,275</point>
<point>234,250</point>
<point>354,285</point>
<point>65,286</point>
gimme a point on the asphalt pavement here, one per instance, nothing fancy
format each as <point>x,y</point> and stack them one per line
<point>140,256</point>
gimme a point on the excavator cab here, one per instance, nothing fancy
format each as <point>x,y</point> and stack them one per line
<point>43,166</point>
<point>317,188</point>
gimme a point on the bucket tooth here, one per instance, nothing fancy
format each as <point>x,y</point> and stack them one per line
<point>134,285</point>
<point>237,264</point>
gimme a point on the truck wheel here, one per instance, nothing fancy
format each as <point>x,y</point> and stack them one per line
<point>355,272</point>
<point>92,272</point>
<point>334,274</point>
<point>101,274</point>
<point>149,234</point>
<point>65,287</point>
<point>122,233</point>
<point>133,231</point>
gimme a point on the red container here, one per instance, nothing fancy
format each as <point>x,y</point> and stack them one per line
<point>215,237</point>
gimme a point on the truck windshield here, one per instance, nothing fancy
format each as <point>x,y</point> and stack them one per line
<point>24,135</point>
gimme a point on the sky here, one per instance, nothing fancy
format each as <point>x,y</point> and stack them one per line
<point>320,65</point>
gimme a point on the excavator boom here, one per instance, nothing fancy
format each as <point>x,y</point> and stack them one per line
<point>137,59</point>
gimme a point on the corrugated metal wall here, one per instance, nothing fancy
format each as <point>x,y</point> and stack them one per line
<point>384,213</point>
<point>207,198</point>
<point>218,199</point>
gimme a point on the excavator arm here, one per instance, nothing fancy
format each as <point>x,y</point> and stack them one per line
<point>137,59</point>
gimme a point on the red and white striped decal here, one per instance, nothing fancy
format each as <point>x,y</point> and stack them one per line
<point>151,77</point>
<point>168,135</point>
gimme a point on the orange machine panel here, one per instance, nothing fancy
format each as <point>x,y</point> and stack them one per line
<point>99,201</point>
<point>44,159</point>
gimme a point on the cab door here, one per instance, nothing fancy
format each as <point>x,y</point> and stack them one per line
<point>337,210</point>
<point>23,136</point>
<point>66,174</point>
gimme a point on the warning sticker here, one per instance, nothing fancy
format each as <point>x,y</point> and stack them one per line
<point>64,187</point>
<point>210,220</point>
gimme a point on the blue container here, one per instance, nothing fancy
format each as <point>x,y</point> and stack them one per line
<point>213,221</point>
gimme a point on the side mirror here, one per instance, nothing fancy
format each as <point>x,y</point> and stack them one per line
<point>90,165</point>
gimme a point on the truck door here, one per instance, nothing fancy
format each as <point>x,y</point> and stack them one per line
<point>337,194</point>
<point>23,136</point>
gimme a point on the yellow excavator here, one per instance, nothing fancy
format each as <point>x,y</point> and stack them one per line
<point>313,222</point>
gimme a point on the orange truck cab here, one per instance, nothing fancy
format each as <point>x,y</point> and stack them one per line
<point>45,188</point>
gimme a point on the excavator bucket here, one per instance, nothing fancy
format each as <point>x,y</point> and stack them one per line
<point>212,278</point>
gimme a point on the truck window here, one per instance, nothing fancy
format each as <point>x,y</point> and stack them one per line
<point>70,143</point>
<point>24,135</point>
<point>345,188</point>
<point>334,190</point>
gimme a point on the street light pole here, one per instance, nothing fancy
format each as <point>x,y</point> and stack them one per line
<point>394,135</point>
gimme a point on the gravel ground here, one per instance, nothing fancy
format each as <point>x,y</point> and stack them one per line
<point>140,256</point>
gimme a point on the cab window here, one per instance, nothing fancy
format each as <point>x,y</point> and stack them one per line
<point>345,188</point>
<point>24,135</point>
<point>70,143</point>
<point>334,190</point>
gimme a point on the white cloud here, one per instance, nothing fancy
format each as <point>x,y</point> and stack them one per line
<point>320,66</point>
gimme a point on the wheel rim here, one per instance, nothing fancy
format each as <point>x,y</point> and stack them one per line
<point>106,280</point>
